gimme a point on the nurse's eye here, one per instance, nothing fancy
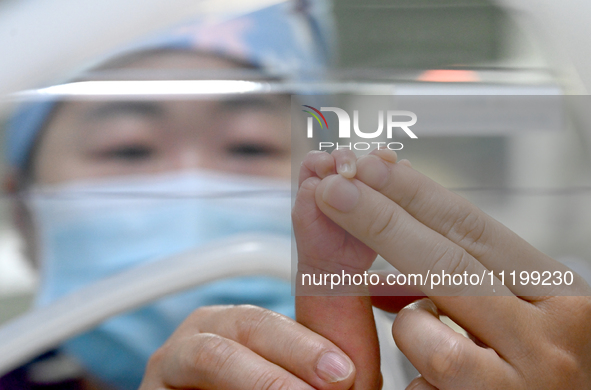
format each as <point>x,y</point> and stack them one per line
<point>129,153</point>
<point>253,150</point>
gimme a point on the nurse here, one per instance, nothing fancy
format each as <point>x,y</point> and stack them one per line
<point>104,185</point>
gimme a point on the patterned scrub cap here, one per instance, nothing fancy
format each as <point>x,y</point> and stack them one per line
<point>288,40</point>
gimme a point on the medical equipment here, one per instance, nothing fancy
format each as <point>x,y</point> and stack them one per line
<point>44,328</point>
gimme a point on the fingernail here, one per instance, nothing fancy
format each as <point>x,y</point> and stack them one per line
<point>341,193</point>
<point>419,384</point>
<point>428,305</point>
<point>405,162</point>
<point>347,169</point>
<point>385,154</point>
<point>372,171</point>
<point>333,367</point>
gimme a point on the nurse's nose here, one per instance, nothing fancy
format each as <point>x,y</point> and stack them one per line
<point>189,158</point>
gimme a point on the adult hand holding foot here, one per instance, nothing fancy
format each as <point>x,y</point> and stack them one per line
<point>246,347</point>
<point>525,336</point>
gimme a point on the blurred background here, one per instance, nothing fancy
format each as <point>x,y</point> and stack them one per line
<point>536,181</point>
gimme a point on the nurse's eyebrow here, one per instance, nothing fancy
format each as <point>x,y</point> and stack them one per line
<point>110,109</point>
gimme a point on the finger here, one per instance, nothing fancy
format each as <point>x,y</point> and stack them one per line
<point>413,248</point>
<point>461,222</point>
<point>446,359</point>
<point>402,240</point>
<point>385,154</point>
<point>208,361</point>
<point>280,340</point>
<point>316,163</point>
<point>345,161</point>
<point>419,383</point>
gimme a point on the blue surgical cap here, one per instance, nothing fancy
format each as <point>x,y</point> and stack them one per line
<point>286,39</point>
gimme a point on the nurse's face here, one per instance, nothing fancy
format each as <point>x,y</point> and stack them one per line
<point>243,134</point>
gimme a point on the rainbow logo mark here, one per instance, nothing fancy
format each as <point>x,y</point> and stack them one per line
<point>316,116</point>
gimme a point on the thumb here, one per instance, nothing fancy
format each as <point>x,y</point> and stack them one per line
<point>348,322</point>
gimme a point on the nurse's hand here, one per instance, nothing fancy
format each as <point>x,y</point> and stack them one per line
<point>246,347</point>
<point>523,340</point>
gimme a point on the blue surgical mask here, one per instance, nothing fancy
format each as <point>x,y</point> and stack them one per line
<point>90,230</point>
